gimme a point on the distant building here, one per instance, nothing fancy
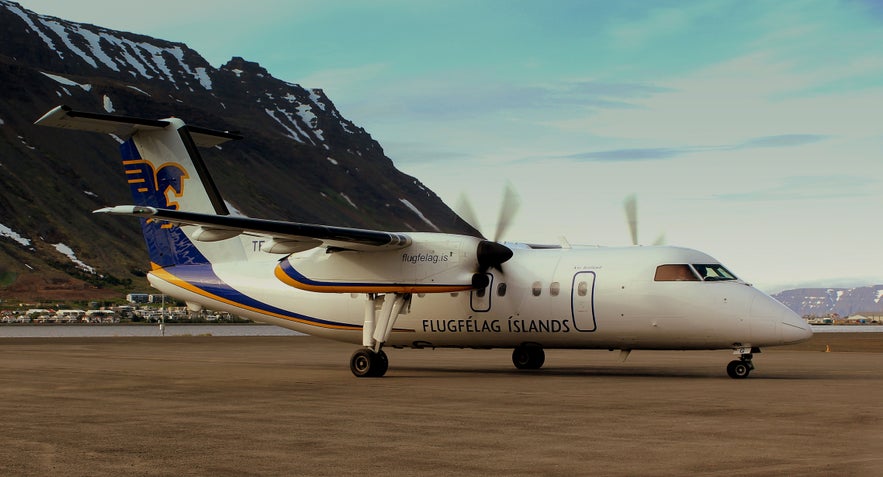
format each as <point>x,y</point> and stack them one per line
<point>156,298</point>
<point>69,316</point>
<point>867,317</point>
<point>138,298</point>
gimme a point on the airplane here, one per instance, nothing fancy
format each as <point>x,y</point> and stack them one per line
<point>382,289</point>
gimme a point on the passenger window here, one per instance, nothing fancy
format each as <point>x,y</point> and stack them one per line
<point>582,289</point>
<point>501,289</point>
<point>554,288</point>
<point>675,273</point>
<point>537,288</point>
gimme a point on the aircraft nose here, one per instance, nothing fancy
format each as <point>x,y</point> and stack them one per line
<point>794,328</point>
<point>773,321</point>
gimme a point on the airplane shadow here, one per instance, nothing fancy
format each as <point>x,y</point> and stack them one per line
<point>585,372</point>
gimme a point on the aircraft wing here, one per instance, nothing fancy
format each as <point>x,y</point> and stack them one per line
<point>286,237</point>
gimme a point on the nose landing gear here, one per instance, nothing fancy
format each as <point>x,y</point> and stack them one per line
<point>741,368</point>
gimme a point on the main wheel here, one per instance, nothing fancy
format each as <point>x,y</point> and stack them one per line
<point>738,369</point>
<point>381,364</point>
<point>528,357</point>
<point>365,363</point>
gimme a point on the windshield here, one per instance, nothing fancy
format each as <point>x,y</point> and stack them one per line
<point>714,272</point>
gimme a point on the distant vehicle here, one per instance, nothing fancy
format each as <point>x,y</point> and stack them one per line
<point>421,290</point>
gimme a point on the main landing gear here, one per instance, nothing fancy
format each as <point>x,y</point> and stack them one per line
<point>528,356</point>
<point>381,312</point>
<point>365,363</point>
<point>741,368</point>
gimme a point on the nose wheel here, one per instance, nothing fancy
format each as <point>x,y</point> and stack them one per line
<point>740,368</point>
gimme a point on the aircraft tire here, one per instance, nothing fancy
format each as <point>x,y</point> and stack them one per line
<point>382,364</point>
<point>738,369</point>
<point>528,357</point>
<point>365,363</point>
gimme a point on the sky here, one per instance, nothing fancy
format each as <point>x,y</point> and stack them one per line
<point>750,130</point>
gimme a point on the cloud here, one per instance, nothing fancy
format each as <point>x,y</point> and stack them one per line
<point>656,153</point>
<point>638,154</point>
<point>458,96</point>
<point>782,140</point>
<point>804,188</point>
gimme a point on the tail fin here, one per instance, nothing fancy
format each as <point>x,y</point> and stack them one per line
<point>164,170</point>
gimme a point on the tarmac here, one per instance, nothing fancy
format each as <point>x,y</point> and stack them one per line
<point>156,406</point>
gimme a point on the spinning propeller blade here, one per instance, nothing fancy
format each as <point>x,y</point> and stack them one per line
<point>466,212</point>
<point>491,253</point>
<point>508,209</point>
<point>631,214</point>
<point>630,204</point>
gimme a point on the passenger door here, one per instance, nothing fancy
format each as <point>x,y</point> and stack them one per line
<point>582,301</point>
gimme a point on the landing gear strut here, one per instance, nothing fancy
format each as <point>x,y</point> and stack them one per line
<point>365,363</point>
<point>740,368</point>
<point>528,357</point>
<point>371,361</point>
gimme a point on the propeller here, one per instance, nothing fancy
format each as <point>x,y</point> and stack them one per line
<point>491,253</point>
<point>630,204</point>
<point>508,209</point>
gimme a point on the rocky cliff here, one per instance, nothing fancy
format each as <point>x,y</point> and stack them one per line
<point>301,159</point>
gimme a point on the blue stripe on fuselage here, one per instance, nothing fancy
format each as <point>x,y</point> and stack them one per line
<point>203,280</point>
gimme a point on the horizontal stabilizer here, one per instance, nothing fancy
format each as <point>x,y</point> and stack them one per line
<point>124,126</point>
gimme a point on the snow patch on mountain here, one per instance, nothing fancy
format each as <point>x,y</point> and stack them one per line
<point>350,201</point>
<point>414,209</point>
<point>9,233</point>
<point>66,82</point>
<point>298,134</point>
<point>99,47</point>
<point>69,253</point>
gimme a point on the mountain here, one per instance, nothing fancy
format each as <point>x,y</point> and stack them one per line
<point>825,301</point>
<point>301,159</point>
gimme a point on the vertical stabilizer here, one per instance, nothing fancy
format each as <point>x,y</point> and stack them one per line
<point>164,170</point>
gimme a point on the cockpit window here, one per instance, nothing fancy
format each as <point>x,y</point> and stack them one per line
<point>714,272</point>
<point>675,273</point>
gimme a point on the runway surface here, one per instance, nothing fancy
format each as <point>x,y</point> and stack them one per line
<point>289,406</point>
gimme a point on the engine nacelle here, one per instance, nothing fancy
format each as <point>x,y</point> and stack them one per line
<point>433,263</point>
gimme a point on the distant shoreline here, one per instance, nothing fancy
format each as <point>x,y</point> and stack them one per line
<point>80,330</point>
<point>132,323</point>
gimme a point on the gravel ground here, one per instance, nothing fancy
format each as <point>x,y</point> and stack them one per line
<point>289,406</point>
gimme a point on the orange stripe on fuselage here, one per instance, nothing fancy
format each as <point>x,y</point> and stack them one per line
<point>162,273</point>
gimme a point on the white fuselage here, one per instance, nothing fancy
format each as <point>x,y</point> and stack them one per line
<point>581,297</point>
